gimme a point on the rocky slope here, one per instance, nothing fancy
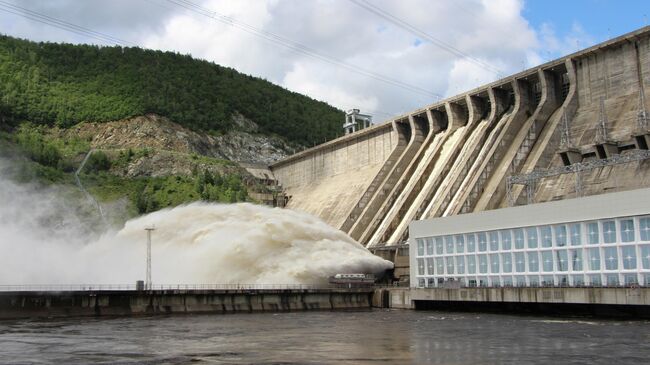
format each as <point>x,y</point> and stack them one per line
<point>242,144</point>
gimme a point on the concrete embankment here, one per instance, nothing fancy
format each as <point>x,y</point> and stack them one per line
<point>607,302</point>
<point>32,304</point>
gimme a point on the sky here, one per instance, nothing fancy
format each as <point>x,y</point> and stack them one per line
<point>385,57</point>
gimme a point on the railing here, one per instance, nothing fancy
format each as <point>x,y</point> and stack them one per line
<point>538,286</point>
<point>127,287</point>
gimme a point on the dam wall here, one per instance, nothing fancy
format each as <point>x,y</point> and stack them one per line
<point>33,304</point>
<point>328,180</point>
<point>471,152</point>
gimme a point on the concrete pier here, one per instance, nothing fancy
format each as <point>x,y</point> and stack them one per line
<point>34,304</point>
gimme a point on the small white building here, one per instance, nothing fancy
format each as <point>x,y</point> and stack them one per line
<point>355,121</point>
<point>601,240</point>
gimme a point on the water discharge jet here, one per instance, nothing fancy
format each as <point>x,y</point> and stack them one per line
<point>195,243</point>
<point>246,243</point>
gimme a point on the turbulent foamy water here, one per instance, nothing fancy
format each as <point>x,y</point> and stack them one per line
<point>42,242</point>
<point>246,243</point>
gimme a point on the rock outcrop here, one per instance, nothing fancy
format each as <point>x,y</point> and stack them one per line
<point>242,144</point>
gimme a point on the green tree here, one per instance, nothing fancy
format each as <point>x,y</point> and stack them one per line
<point>98,161</point>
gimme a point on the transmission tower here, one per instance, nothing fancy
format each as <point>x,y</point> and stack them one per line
<point>601,133</point>
<point>148,283</point>
<point>642,115</point>
<point>566,135</point>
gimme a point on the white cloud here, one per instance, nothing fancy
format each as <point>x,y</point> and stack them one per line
<point>492,31</point>
<point>553,46</point>
<point>306,79</point>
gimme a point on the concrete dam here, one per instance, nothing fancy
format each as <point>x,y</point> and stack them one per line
<point>574,126</point>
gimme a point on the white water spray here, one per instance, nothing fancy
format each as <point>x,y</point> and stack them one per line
<point>195,243</point>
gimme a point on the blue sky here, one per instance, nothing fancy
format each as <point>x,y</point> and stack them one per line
<point>601,19</point>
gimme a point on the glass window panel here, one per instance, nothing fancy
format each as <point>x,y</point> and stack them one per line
<point>495,281</point>
<point>609,231</point>
<point>520,262</point>
<point>482,264</point>
<point>460,243</point>
<point>449,243</point>
<point>533,262</point>
<point>631,279</point>
<point>460,264</point>
<point>519,238</point>
<point>547,280</point>
<point>546,235</point>
<point>531,234</point>
<point>594,259</point>
<point>561,260</point>
<point>430,246</point>
<point>506,259</point>
<point>533,280</point>
<point>547,261</point>
<point>507,281</point>
<point>431,282</point>
<point>420,266</point>
<point>439,246</point>
<point>440,266</point>
<point>520,280</point>
<point>471,264</point>
<point>420,247</point>
<point>644,228</point>
<point>482,242</point>
<point>471,242</point>
<point>628,254</point>
<point>421,283</point>
<point>430,266</point>
<point>578,280</point>
<point>482,281</point>
<point>645,256</point>
<point>592,233</point>
<point>611,258</point>
<point>494,241</point>
<point>450,265</point>
<point>595,280</point>
<point>576,234</point>
<point>627,230</point>
<point>612,279</point>
<point>576,260</point>
<point>506,240</point>
<point>494,263</point>
<point>560,235</point>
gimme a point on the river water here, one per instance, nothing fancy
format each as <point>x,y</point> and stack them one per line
<point>368,337</point>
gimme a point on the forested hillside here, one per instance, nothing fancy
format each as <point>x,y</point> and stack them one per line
<point>63,84</point>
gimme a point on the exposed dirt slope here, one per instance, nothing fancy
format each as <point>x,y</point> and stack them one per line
<point>159,133</point>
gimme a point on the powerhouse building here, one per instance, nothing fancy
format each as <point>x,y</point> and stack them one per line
<point>601,240</point>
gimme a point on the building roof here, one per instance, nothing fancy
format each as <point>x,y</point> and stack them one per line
<point>619,204</point>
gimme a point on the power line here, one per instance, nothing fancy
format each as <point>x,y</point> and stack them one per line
<point>420,33</point>
<point>61,24</point>
<point>298,47</point>
<point>272,37</point>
